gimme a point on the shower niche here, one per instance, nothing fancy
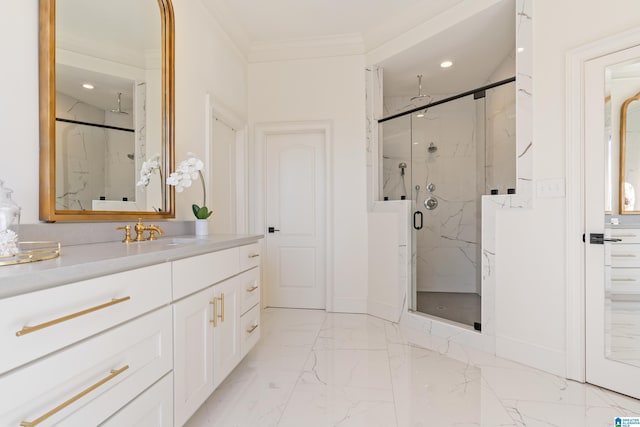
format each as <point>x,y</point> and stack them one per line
<point>444,157</point>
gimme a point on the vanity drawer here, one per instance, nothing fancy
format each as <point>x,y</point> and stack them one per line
<point>193,274</point>
<point>92,380</point>
<point>623,255</point>
<point>249,283</point>
<point>623,280</point>
<point>153,408</point>
<point>249,256</point>
<point>250,329</point>
<point>628,235</point>
<point>70,313</point>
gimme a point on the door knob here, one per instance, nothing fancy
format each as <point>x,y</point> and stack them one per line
<point>599,239</point>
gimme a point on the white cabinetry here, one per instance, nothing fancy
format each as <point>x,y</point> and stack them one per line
<point>623,275</point>
<point>208,325</point>
<point>193,356</point>
<point>88,382</point>
<point>145,347</point>
<point>226,331</point>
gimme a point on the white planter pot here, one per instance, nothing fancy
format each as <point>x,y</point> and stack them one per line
<point>202,227</point>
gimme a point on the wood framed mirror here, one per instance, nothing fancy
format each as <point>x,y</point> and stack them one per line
<point>106,109</point>
<point>630,156</point>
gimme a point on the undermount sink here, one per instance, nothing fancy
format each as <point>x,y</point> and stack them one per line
<point>179,240</point>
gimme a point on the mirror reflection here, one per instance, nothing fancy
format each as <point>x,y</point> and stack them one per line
<point>109,107</point>
<point>630,148</point>
<point>622,140</point>
<point>101,118</point>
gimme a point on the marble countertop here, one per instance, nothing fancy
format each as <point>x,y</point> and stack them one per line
<point>81,262</point>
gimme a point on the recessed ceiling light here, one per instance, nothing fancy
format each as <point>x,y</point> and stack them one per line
<point>520,49</point>
<point>446,64</point>
<point>420,114</point>
<point>87,86</point>
<point>415,143</point>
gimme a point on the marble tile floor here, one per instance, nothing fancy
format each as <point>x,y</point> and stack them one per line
<point>460,307</point>
<point>313,368</point>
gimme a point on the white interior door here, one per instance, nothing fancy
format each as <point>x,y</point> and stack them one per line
<point>223,178</point>
<point>295,203</point>
<point>609,318</point>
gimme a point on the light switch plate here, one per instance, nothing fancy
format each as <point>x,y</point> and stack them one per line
<point>553,187</point>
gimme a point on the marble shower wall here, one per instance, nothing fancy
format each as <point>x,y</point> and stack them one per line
<point>92,162</point>
<point>447,252</point>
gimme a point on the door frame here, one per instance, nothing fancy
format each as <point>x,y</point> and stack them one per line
<point>258,195</point>
<point>216,110</point>
<point>576,60</point>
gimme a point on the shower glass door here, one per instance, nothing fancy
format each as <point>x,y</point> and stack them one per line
<point>444,158</point>
<point>448,178</point>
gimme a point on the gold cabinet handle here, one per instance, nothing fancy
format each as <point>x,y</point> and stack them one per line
<point>28,329</point>
<point>251,329</point>
<point>215,312</point>
<point>623,256</point>
<point>113,373</point>
<point>254,255</point>
<point>251,289</point>
<point>221,307</point>
<point>615,279</point>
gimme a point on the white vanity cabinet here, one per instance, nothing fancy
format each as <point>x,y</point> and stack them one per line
<point>142,347</point>
<point>622,261</point>
<point>86,383</point>
<point>209,337</point>
<point>193,353</point>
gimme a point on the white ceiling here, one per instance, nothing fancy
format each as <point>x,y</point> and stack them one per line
<point>251,22</point>
<point>477,46</point>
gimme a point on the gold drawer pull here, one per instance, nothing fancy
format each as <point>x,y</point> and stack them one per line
<point>251,289</point>
<point>215,312</point>
<point>254,255</point>
<point>28,329</point>
<point>251,329</point>
<point>221,316</point>
<point>623,280</point>
<point>112,375</point>
<point>623,256</point>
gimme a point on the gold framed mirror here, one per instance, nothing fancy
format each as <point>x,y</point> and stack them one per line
<point>630,156</point>
<point>106,109</point>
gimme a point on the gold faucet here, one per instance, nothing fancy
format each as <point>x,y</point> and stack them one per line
<point>127,233</point>
<point>153,229</point>
<point>140,228</point>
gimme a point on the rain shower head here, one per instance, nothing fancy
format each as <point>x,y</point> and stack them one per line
<point>420,95</point>
<point>118,110</point>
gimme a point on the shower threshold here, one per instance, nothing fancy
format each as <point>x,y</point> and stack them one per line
<point>458,307</point>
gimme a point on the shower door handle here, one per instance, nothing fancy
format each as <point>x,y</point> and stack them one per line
<point>417,214</point>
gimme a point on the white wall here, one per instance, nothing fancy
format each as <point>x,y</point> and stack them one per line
<point>330,88</point>
<point>531,288</point>
<point>206,62</point>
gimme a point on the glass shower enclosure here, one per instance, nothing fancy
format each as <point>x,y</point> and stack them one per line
<point>444,157</point>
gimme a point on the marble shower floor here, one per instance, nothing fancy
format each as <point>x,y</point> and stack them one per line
<point>460,307</point>
<point>313,368</point>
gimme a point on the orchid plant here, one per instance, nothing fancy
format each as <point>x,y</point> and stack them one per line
<point>147,169</point>
<point>188,171</point>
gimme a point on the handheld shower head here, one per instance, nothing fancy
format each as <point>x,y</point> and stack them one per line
<point>402,167</point>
